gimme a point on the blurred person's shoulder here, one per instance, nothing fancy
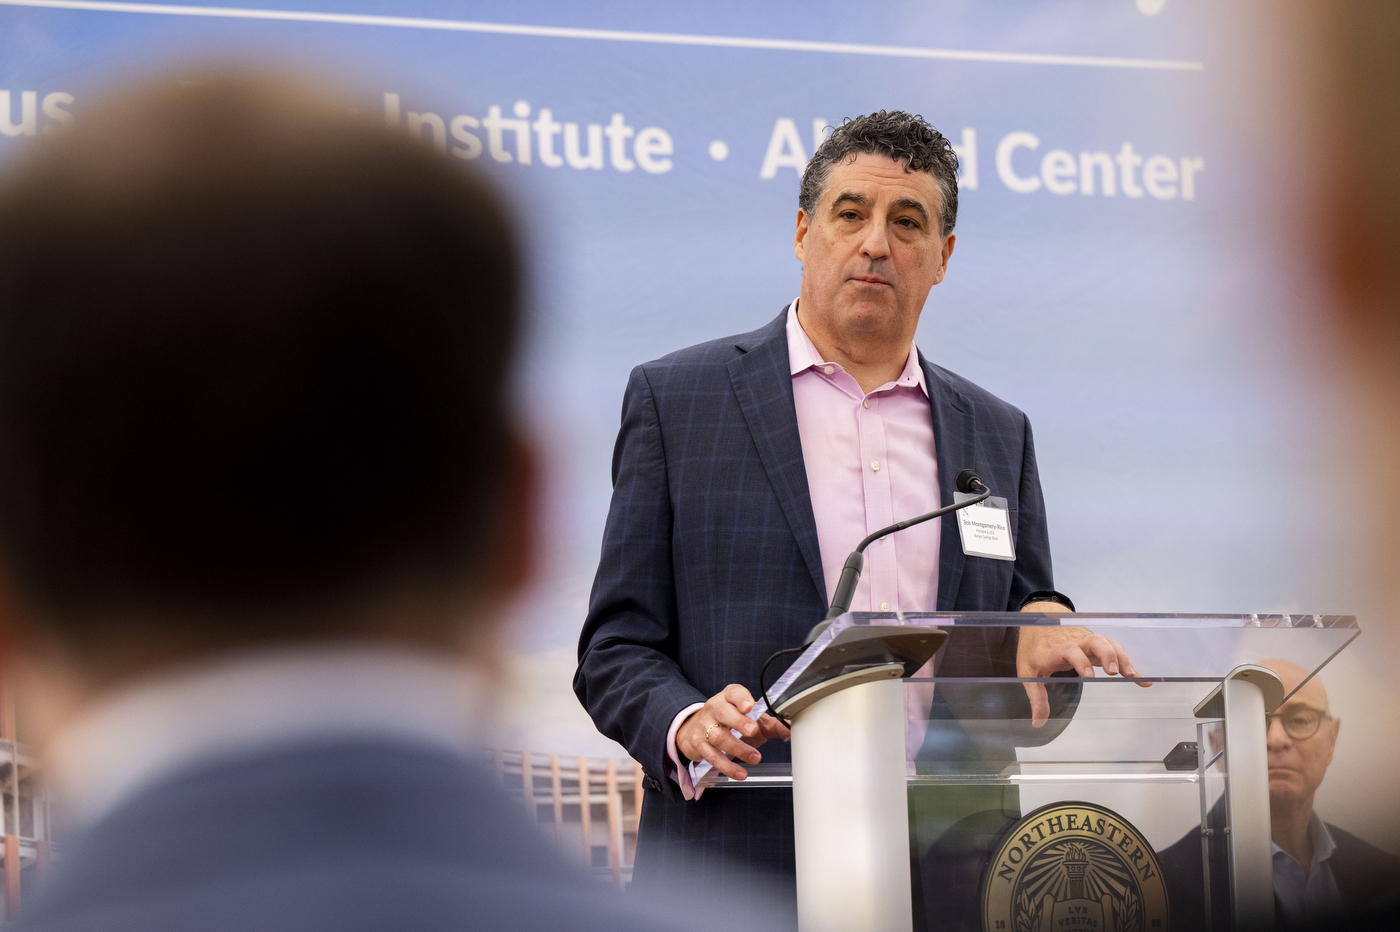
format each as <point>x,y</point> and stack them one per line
<point>344,834</point>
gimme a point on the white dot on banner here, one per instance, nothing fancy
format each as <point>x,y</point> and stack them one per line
<point>1150,7</point>
<point>719,151</point>
<point>522,109</point>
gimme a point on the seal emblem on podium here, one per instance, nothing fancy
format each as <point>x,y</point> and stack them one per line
<point>1074,867</point>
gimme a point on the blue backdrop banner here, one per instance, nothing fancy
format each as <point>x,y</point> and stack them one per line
<point>1105,279</point>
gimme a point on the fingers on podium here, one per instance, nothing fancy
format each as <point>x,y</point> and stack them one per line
<point>731,709</point>
<point>1040,703</point>
<point>1113,658</point>
<point>720,761</point>
<point>1078,659</point>
<point>773,727</point>
<point>717,722</point>
<point>1125,663</point>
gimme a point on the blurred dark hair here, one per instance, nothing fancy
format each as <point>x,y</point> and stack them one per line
<point>898,135</point>
<point>252,356</point>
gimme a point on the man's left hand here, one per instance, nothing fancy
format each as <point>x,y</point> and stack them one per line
<point>1042,651</point>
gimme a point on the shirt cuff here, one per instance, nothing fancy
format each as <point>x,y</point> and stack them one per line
<point>676,771</point>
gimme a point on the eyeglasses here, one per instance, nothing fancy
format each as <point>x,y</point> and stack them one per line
<point>1300,722</point>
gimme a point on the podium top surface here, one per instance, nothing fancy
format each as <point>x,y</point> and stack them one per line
<point>1164,647</point>
<point>1184,653</point>
<point>1094,619</point>
<point>1204,646</point>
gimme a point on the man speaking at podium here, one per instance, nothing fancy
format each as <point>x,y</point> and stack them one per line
<point>747,468</point>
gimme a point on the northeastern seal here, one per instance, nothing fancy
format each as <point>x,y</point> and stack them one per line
<point>1074,867</point>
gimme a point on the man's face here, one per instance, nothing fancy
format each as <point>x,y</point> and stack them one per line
<point>1297,765</point>
<point>871,250</point>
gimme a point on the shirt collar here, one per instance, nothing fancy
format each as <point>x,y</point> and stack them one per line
<point>1322,843</point>
<point>803,355</point>
<point>256,700</point>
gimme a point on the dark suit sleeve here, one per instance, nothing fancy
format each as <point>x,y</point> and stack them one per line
<point>991,651</point>
<point>1031,571</point>
<point>628,678</point>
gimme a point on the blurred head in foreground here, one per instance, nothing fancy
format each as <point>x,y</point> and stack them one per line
<point>1345,56</point>
<point>258,487</point>
<point>1349,225</point>
<point>1349,229</point>
<point>252,364</point>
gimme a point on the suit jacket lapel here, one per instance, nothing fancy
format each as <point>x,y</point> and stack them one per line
<point>954,448</point>
<point>762,381</point>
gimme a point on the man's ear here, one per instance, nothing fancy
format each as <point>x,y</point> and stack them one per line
<point>801,236</point>
<point>1332,745</point>
<point>946,253</point>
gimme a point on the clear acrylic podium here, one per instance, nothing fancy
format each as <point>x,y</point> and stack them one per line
<point>931,823</point>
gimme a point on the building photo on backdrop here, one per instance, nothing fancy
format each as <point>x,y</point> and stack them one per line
<point>449,454</point>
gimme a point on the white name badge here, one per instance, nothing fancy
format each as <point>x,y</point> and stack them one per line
<point>986,528</point>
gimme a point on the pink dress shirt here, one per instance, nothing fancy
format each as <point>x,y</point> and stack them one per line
<point>870,462</point>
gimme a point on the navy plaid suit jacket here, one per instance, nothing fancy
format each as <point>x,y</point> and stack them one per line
<point>710,564</point>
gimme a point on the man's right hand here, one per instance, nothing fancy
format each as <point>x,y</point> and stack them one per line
<point>724,711</point>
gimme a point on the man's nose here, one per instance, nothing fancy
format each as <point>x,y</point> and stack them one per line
<point>1276,737</point>
<point>877,243</point>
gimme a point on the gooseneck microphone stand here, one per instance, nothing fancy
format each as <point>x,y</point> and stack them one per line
<point>967,483</point>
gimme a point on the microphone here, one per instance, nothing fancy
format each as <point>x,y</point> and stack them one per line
<point>967,482</point>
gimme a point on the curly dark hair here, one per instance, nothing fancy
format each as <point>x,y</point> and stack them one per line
<point>904,137</point>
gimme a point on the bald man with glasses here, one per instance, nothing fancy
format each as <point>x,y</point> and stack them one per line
<point>1320,870</point>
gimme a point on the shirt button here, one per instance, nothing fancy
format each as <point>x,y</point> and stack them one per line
<point>865,403</point>
<point>829,369</point>
<point>875,465</point>
<point>884,606</point>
